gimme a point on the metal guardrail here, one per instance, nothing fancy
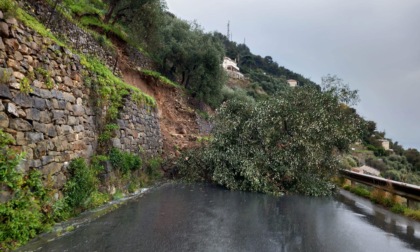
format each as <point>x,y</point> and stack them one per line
<point>405,190</point>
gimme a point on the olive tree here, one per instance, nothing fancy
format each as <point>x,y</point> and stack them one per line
<point>192,57</point>
<point>289,142</point>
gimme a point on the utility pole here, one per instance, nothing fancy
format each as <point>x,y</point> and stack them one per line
<point>228,30</point>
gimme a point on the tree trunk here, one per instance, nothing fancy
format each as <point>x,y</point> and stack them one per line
<point>110,11</point>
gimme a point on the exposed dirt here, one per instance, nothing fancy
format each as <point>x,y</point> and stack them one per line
<point>178,122</point>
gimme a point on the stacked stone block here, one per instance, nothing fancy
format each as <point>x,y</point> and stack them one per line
<point>52,119</point>
<point>139,130</point>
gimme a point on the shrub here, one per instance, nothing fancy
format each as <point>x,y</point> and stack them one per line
<point>124,161</point>
<point>80,186</point>
<point>153,167</point>
<point>21,218</point>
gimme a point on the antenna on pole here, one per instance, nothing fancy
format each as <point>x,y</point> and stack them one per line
<point>228,30</point>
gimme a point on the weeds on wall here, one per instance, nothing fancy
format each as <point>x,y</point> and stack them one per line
<point>24,214</point>
<point>49,83</point>
<point>111,89</point>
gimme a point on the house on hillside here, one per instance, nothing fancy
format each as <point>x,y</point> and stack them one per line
<point>232,69</point>
<point>292,83</point>
<point>384,144</point>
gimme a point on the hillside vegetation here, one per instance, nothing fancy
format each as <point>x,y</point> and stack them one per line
<point>267,137</point>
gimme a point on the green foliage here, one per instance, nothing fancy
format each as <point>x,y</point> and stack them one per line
<point>47,77</point>
<point>8,7</point>
<point>25,86</point>
<point>6,76</point>
<point>361,191</point>
<point>111,89</point>
<point>79,188</point>
<point>115,30</point>
<point>237,93</point>
<point>194,58</point>
<point>21,217</point>
<point>124,161</point>
<point>34,24</point>
<point>153,167</point>
<point>398,208</point>
<point>108,132</point>
<point>249,62</point>
<point>280,144</point>
<point>159,77</point>
<point>85,7</point>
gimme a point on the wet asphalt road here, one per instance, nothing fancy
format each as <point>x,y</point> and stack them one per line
<point>177,217</point>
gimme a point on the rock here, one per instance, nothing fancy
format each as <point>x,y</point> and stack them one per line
<point>69,97</point>
<point>48,129</point>
<point>29,59</point>
<point>4,30</point>
<point>37,84</point>
<point>12,43</point>
<point>36,163</point>
<point>34,46</point>
<point>68,81</point>
<point>79,128</point>
<point>78,93</point>
<point>45,117</point>
<point>21,113</point>
<point>2,46</point>
<point>11,109</point>
<point>13,64</point>
<point>18,56</point>
<point>18,75</point>
<point>1,106</point>
<point>79,101</point>
<point>51,168</point>
<point>34,137</point>
<point>116,143</point>
<point>39,103</point>
<point>59,180</point>
<point>72,120</point>
<point>43,93</point>
<point>4,120</point>
<point>58,115</point>
<point>57,94</point>
<point>33,114</point>
<point>12,21</point>
<point>23,100</point>
<point>47,159</point>
<point>24,50</point>
<point>5,92</point>
<point>20,139</point>
<point>20,125</point>
<point>6,75</point>
<point>1,15</point>
<point>78,110</point>
<point>58,79</point>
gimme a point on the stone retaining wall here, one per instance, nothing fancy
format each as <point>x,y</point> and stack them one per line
<point>54,122</point>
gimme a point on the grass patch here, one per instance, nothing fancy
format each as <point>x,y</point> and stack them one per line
<point>111,89</point>
<point>379,198</point>
<point>159,77</point>
<point>93,21</point>
<point>35,25</point>
<point>85,7</point>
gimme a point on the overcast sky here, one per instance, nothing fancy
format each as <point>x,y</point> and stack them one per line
<point>373,45</point>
